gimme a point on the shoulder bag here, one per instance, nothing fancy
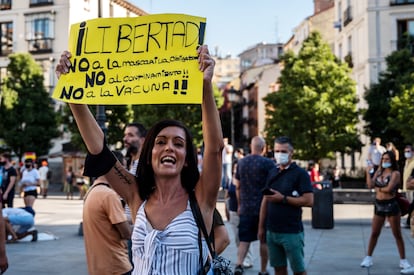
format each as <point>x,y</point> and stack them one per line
<point>219,265</point>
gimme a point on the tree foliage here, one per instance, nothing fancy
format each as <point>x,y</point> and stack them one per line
<point>27,116</point>
<point>116,117</point>
<point>389,110</point>
<point>316,103</point>
<point>189,114</point>
<point>120,115</point>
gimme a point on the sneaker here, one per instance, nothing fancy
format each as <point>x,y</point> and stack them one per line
<point>238,270</point>
<point>387,224</point>
<point>34,234</point>
<point>404,264</point>
<point>247,264</point>
<point>367,262</point>
<point>409,270</point>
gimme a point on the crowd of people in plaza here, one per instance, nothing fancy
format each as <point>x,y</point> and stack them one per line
<point>142,210</point>
<point>164,175</point>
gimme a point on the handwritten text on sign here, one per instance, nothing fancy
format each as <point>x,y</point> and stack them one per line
<point>140,60</point>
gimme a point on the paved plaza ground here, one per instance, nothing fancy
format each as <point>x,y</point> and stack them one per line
<point>327,251</point>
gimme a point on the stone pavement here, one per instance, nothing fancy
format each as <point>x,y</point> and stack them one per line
<point>327,251</point>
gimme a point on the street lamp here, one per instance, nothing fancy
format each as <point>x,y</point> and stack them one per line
<point>100,109</point>
<point>233,98</point>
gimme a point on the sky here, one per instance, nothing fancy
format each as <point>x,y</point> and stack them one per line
<point>236,25</point>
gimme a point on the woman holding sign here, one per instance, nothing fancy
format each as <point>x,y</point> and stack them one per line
<point>165,234</point>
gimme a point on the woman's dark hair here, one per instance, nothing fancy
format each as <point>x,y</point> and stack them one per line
<point>394,163</point>
<point>145,172</point>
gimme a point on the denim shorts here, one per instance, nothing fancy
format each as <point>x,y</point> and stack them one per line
<point>286,246</point>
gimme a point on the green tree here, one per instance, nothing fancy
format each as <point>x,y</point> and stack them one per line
<point>383,116</point>
<point>27,116</point>
<point>117,116</point>
<point>120,115</point>
<point>189,114</point>
<point>316,103</point>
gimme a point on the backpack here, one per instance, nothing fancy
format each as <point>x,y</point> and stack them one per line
<point>49,174</point>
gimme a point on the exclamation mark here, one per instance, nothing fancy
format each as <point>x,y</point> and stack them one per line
<point>184,83</point>
<point>184,86</point>
<point>80,38</point>
<point>176,86</point>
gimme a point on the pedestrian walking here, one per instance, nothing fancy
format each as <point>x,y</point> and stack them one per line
<point>288,189</point>
<point>9,180</point>
<point>250,178</point>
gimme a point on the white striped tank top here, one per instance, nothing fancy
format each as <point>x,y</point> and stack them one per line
<point>173,251</point>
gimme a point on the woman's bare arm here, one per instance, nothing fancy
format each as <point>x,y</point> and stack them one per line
<point>207,188</point>
<point>121,180</point>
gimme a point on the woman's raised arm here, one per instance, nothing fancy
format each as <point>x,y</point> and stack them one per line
<point>120,179</point>
<point>91,133</point>
<point>207,189</point>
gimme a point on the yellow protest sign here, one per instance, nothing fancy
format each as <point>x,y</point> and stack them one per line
<point>136,60</point>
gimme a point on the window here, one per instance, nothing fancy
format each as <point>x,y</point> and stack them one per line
<point>5,4</point>
<point>37,3</point>
<point>405,31</point>
<point>6,38</point>
<point>40,32</point>
<point>401,2</point>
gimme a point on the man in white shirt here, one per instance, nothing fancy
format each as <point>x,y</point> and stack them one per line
<point>375,153</point>
<point>227,160</point>
<point>44,181</point>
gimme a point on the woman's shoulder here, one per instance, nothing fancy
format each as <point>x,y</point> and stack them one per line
<point>395,172</point>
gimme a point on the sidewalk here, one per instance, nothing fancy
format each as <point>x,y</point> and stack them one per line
<point>327,251</point>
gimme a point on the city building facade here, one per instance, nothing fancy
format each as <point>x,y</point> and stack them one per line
<point>41,28</point>
<point>367,32</point>
<point>259,66</point>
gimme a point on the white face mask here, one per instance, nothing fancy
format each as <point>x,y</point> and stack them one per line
<point>282,158</point>
<point>408,155</point>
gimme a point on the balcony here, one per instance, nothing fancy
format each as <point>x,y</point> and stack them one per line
<point>348,60</point>
<point>401,2</point>
<point>42,45</point>
<point>40,3</point>
<point>347,16</point>
<point>5,4</point>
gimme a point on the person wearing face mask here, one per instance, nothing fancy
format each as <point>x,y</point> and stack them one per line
<point>385,181</point>
<point>29,182</point>
<point>288,189</point>
<point>250,177</point>
<point>408,181</point>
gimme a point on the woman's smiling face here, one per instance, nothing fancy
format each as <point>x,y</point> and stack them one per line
<point>169,151</point>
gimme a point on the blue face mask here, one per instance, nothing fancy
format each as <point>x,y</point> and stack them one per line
<point>386,165</point>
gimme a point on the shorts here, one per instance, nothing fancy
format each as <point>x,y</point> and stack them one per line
<point>30,193</point>
<point>248,228</point>
<point>286,246</point>
<point>68,188</point>
<point>386,208</point>
<point>44,184</point>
